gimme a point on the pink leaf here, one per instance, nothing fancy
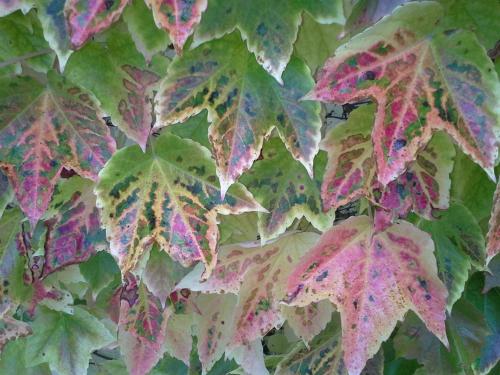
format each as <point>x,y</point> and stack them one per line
<point>493,245</point>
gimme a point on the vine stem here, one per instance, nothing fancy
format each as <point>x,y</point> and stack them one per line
<point>25,57</point>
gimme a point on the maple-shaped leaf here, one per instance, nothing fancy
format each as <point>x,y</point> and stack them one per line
<point>258,274</point>
<point>459,245</point>
<point>140,23</point>
<point>283,187</point>
<point>73,231</point>
<point>374,278</point>
<point>423,80</point>
<point>43,130</point>
<point>324,355</point>
<point>122,84</point>
<point>269,27</point>
<point>168,195</point>
<point>244,104</point>
<point>65,341</point>
<point>142,326</point>
<point>493,245</point>
<point>178,17</point>
<point>351,171</point>
<point>466,329</point>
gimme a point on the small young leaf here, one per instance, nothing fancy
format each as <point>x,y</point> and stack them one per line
<point>374,279</point>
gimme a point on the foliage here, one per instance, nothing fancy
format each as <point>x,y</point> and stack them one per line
<point>176,199</point>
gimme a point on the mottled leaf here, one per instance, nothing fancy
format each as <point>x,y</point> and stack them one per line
<point>9,6</point>
<point>178,339</point>
<point>243,102</point>
<point>12,360</point>
<point>6,193</point>
<point>422,82</point>
<point>493,245</point>
<point>492,276</point>
<point>306,322</point>
<point>122,84</point>
<point>351,171</point>
<point>250,357</point>
<point>269,27</point>
<point>142,325</point>
<point>168,195</point>
<point>65,341</point>
<point>258,274</point>
<point>147,38</point>
<point>85,18</point>
<point>44,129</point>
<point>178,17</point>
<point>466,329</point>
<point>361,271</point>
<point>459,245</point>
<point>282,186</point>
<point>12,329</point>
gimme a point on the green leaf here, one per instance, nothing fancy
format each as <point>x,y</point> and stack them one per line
<point>122,84</point>
<point>269,27</point>
<point>6,193</point>
<point>99,271</point>
<point>65,341</point>
<point>459,245</point>
<point>282,186</point>
<point>167,195</point>
<point>12,360</point>
<point>243,103</point>
<point>44,129</point>
<point>148,39</point>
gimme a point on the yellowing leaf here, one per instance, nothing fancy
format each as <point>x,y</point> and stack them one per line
<point>168,195</point>
<point>373,278</point>
<point>422,81</point>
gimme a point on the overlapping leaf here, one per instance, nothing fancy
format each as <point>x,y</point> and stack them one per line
<point>269,27</point>
<point>6,192</point>
<point>9,6</point>
<point>351,171</point>
<point>421,81</point>
<point>493,246</point>
<point>306,322</point>
<point>258,274</point>
<point>43,130</point>
<point>167,195</point>
<point>178,17</point>
<point>122,84</point>
<point>283,187</point>
<point>243,102</point>
<point>374,278</point>
<point>142,326</point>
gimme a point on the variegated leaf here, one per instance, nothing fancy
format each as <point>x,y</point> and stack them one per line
<point>6,193</point>
<point>243,102</point>
<point>269,27</point>
<point>142,326</point>
<point>422,80</point>
<point>258,274</point>
<point>9,6</point>
<point>12,329</point>
<point>178,17</point>
<point>283,187</point>
<point>168,195</point>
<point>493,245</point>
<point>374,278</point>
<point>44,129</point>
<point>122,84</point>
<point>351,171</point>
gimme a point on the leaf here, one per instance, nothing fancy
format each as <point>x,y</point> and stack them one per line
<point>324,356</point>
<point>258,275</point>
<point>12,329</point>
<point>65,341</point>
<point>269,28</point>
<point>147,38</point>
<point>9,6</point>
<point>168,195</point>
<point>308,321</point>
<point>466,330</point>
<point>99,271</point>
<point>178,339</point>
<point>142,325</point>
<point>250,357</point>
<point>162,274</point>
<point>493,244</point>
<point>422,82</point>
<point>244,104</point>
<point>44,130</point>
<point>73,231</point>
<point>6,193</point>
<point>492,278</point>
<point>178,17</point>
<point>360,270</point>
<point>12,360</point>
<point>351,172</point>
<point>283,187</point>
<point>459,245</point>
<point>122,84</point>
<point>87,18</point>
